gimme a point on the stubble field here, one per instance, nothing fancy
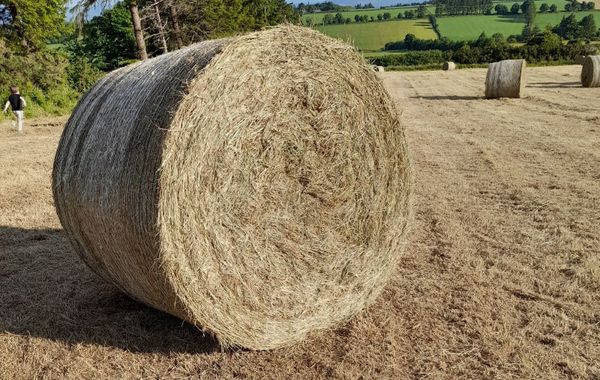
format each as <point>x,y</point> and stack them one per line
<point>500,279</point>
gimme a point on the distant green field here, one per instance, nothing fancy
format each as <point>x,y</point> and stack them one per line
<point>470,27</point>
<point>317,18</point>
<point>373,36</point>
<point>543,19</point>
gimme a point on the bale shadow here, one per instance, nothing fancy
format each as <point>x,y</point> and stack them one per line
<point>47,292</point>
<point>448,97</point>
<point>554,84</point>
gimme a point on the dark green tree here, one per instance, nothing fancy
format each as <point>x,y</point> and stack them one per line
<point>108,40</point>
<point>587,26</point>
<point>28,24</point>
<point>501,9</point>
<point>515,9</point>
<point>544,8</point>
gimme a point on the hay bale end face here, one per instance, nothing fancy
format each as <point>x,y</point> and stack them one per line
<point>257,187</point>
<point>505,79</point>
<point>448,66</point>
<point>590,71</point>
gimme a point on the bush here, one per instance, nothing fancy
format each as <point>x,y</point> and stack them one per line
<point>43,79</point>
<point>541,47</point>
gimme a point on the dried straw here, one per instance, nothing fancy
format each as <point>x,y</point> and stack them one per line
<point>448,66</point>
<point>256,187</point>
<point>505,79</point>
<point>590,72</point>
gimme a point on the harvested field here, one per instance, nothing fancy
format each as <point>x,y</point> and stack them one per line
<point>501,278</point>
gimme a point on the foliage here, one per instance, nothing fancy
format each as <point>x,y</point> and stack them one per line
<point>42,77</point>
<point>435,26</point>
<point>462,7</point>
<point>569,28</point>
<point>28,24</point>
<point>501,9</point>
<point>108,41</point>
<point>542,47</point>
<point>202,19</point>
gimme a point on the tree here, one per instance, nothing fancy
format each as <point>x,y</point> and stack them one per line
<point>421,11</point>
<point>410,14</point>
<point>83,6</point>
<point>569,7</point>
<point>515,8</point>
<point>108,40</point>
<point>588,27</point>
<point>529,11</point>
<point>544,8</point>
<point>357,18</point>
<point>30,23</point>
<point>387,16</point>
<point>553,8</point>
<point>379,17</point>
<point>591,5</point>
<point>568,28</point>
<point>339,19</point>
<point>501,9</point>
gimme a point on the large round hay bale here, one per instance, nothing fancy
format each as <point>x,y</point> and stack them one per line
<point>448,66</point>
<point>590,72</point>
<point>257,187</point>
<point>505,79</point>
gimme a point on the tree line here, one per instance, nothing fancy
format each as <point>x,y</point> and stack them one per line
<point>338,18</point>
<point>542,46</point>
<point>54,61</point>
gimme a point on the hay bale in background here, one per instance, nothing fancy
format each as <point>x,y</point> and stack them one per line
<point>256,187</point>
<point>448,66</point>
<point>505,79</point>
<point>579,59</point>
<point>379,69</point>
<point>590,72</point>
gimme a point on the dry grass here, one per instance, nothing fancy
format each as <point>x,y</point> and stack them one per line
<point>502,278</point>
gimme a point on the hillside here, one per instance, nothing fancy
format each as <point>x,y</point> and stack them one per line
<point>373,36</point>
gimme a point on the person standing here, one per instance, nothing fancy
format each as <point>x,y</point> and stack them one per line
<point>18,104</point>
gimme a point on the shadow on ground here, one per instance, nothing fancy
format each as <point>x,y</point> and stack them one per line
<point>554,84</point>
<point>47,292</point>
<point>448,97</point>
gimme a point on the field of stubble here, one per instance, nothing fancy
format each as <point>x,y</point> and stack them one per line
<point>501,277</point>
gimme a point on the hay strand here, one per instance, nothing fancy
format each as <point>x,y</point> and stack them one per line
<point>257,187</point>
<point>590,71</point>
<point>505,79</point>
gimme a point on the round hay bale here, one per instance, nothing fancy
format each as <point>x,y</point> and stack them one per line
<point>505,79</point>
<point>379,69</point>
<point>590,72</point>
<point>257,187</point>
<point>448,66</point>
